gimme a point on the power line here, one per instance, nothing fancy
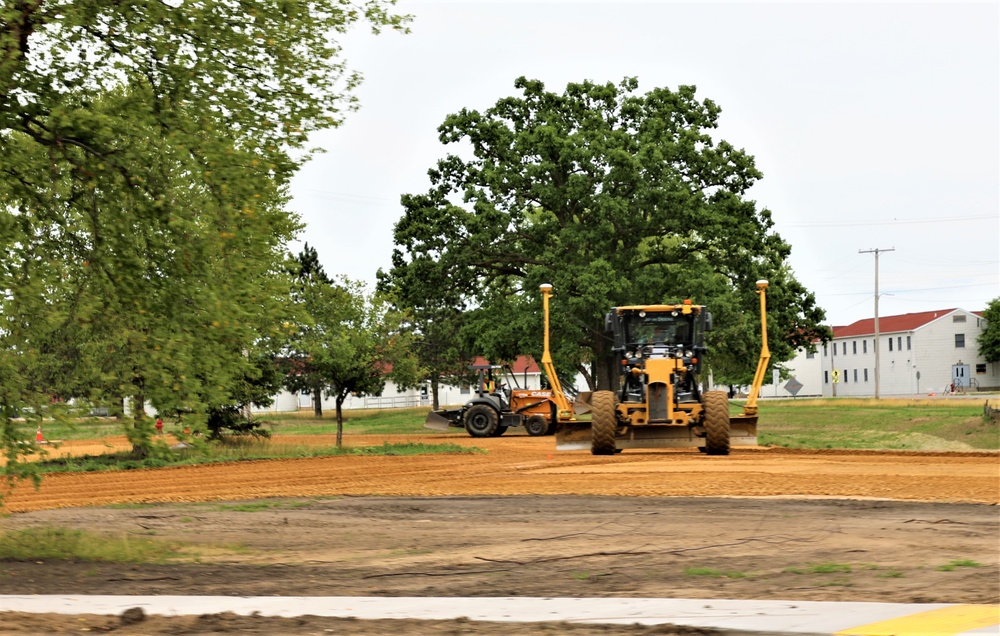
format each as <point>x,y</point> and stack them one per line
<point>892,222</point>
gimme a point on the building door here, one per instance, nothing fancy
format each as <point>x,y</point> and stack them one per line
<point>960,376</point>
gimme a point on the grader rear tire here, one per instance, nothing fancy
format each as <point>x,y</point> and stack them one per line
<point>716,423</point>
<point>603,423</point>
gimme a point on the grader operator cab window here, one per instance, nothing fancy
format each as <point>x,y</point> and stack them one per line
<point>661,328</point>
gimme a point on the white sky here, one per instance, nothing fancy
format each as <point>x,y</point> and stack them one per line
<point>875,125</point>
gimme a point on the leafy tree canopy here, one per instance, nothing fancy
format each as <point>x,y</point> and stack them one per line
<point>989,340</point>
<point>615,198</point>
<point>145,152</point>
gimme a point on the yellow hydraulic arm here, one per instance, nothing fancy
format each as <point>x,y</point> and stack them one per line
<point>750,408</point>
<point>565,413</point>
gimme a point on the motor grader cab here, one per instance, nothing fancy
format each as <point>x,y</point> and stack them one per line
<point>660,351</point>
<point>498,405</point>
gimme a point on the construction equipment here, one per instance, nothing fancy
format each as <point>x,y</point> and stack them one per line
<point>498,406</point>
<point>660,350</point>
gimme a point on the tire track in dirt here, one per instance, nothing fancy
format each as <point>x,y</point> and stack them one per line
<point>521,465</point>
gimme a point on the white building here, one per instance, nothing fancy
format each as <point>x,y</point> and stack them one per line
<point>525,371</point>
<point>919,354</point>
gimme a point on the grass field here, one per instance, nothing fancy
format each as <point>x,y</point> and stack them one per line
<point>809,423</point>
<point>887,424</point>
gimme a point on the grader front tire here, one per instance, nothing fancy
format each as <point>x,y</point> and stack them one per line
<point>716,423</point>
<point>603,423</point>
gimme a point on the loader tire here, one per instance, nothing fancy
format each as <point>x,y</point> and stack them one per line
<point>537,425</point>
<point>500,431</point>
<point>481,421</point>
<point>603,423</point>
<point>716,423</point>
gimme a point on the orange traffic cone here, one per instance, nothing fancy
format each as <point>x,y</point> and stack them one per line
<point>38,436</point>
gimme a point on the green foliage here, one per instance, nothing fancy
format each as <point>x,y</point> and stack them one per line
<point>613,197</point>
<point>989,339</point>
<point>350,343</point>
<point>146,150</point>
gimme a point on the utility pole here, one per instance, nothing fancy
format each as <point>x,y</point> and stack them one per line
<point>876,252</point>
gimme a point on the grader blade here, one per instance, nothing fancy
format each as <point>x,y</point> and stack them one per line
<point>743,430</point>
<point>573,435</point>
<point>442,420</point>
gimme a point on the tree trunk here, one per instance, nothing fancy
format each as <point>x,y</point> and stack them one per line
<point>340,418</point>
<point>606,376</point>
<point>318,401</point>
<point>435,403</point>
<point>140,446</point>
<point>587,376</point>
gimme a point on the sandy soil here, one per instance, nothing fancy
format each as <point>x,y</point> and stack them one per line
<point>523,519</point>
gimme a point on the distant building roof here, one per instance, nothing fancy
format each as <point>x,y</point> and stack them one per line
<point>523,364</point>
<point>892,324</point>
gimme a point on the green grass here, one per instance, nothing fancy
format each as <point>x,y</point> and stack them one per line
<point>74,545</point>
<point>244,450</point>
<point>958,563</point>
<point>364,422</point>
<point>713,572</point>
<point>821,568</point>
<point>889,424</point>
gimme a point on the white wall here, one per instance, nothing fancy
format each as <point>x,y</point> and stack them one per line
<point>931,351</point>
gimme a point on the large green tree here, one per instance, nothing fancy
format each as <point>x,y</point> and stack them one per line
<point>989,340</point>
<point>145,152</point>
<point>615,198</point>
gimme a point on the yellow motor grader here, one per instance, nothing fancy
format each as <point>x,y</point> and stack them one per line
<point>660,351</point>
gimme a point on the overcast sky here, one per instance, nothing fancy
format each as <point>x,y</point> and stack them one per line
<point>875,125</point>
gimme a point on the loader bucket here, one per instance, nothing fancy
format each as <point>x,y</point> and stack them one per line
<point>582,403</point>
<point>442,420</point>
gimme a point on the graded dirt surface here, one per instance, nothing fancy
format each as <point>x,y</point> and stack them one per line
<point>522,519</point>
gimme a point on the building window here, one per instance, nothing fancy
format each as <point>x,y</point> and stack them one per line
<point>824,351</point>
<point>899,343</point>
<point>890,344</point>
<point>854,347</point>
<point>855,375</point>
<point>465,390</point>
<point>864,346</point>
<point>826,377</point>
<point>866,375</point>
<point>845,347</point>
<point>958,318</point>
<point>810,355</point>
<point>981,368</point>
<point>907,343</point>
<point>959,340</point>
<point>846,376</point>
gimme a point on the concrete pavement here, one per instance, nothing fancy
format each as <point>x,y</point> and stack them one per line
<point>774,617</point>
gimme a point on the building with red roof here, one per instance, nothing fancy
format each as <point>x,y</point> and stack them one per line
<point>928,352</point>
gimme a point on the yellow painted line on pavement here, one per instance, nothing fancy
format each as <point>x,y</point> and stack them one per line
<point>946,621</point>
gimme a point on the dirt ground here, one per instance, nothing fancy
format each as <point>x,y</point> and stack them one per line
<point>523,520</point>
